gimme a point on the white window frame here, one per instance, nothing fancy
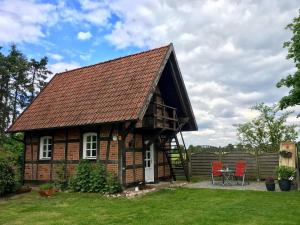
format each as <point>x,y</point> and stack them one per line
<point>47,150</point>
<point>85,142</point>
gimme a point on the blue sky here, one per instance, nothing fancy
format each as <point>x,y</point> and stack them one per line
<point>229,51</point>
<point>67,42</point>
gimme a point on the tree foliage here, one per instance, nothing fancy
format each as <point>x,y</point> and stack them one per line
<point>21,80</point>
<point>292,81</point>
<point>7,177</point>
<point>266,131</point>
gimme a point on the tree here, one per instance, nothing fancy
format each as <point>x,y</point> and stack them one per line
<point>17,67</point>
<point>20,82</point>
<point>292,81</point>
<point>38,73</point>
<point>4,94</point>
<point>265,132</point>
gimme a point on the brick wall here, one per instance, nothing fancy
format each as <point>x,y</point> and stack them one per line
<point>73,151</point>
<point>129,176</point>
<point>134,159</point>
<point>36,169</point>
<point>28,155</point>
<point>113,168</point>
<point>44,172</point>
<point>59,151</point>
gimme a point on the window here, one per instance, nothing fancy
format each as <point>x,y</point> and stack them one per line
<point>46,147</point>
<point>90,146</point>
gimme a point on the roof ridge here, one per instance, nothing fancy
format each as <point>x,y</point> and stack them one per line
<point>118,58</point>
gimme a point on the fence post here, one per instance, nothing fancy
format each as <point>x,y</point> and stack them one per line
<point>220,153</point>
<point>257,165</point>
<point>189,164</point>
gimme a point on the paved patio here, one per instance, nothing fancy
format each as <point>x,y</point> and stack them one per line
<point>253,185</point>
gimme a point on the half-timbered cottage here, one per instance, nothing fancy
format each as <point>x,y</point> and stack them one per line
<point>127,113</point>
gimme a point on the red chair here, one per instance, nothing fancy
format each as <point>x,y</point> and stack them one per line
<point>240,171</point>
<point>216,166</point>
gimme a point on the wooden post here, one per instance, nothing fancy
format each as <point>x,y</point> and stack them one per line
<point>174,121</point>
<point>257,165</point>
<point>189,164</point>
<point>164,114</point>
<point>290,162</point>
<point>297,168</point>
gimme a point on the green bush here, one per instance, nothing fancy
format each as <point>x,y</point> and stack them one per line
<point>7,177</point>
<point>94,179</point>
<point>60,180</point>
<point>11,149</point>
<point>46,186</point>
<point>98,178</point>
<point>80,182</point>
<point>112,184</point>
<point>285,172</point>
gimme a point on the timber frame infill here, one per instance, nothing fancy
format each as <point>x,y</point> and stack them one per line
<point>67,148</point>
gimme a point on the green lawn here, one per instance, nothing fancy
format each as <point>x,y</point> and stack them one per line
<point>171,206</point>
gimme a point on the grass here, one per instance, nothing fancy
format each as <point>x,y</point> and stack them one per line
<point>170,206</point>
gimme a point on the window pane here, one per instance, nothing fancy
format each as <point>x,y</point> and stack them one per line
<point>88,145</point>
<point>94,138</point>
<point>88,138</point>
<point>94,145</point>
<point>44,147</point>
<point>49,154</point>
<point>49,147</point>
<point>44,154</point>
<point>49,141</point>
<point>88,153</point>
<point>45,141</point>
<point>93,152</point>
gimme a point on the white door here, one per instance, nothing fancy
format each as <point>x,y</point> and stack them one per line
<point>149,164</point>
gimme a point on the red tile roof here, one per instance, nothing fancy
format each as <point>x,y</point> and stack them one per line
<point>110,91</point>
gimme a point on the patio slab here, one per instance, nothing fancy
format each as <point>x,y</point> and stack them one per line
<point>253,186</point>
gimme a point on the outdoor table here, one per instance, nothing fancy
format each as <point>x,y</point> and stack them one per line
<point>227,175</point>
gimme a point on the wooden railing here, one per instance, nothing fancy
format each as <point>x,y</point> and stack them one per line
<point>160,116</point>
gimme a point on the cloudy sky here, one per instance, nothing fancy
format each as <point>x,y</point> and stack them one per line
<point>230,52</point>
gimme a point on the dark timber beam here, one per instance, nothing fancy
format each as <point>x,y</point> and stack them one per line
<point>108,145</point>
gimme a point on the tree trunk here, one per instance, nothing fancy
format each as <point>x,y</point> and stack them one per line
<point>32,85</point>
<point>14,116</point>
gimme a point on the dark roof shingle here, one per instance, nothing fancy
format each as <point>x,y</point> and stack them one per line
<point>110,91</point>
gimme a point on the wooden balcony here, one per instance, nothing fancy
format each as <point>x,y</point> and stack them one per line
<point>160,116</point>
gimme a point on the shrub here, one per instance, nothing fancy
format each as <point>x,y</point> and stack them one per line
<point>98,178</point>
<point>60,180</point>
<point>46,186</point>
<point>95,179</point>
<point>7,177</point>
<point>112,184</point>
<point>285,172</point>
<point>81,181</point>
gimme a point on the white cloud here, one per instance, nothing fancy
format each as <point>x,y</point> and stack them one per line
<point>85,57</point>
<point>63,66</point>
<point>90,12</point>
<point>22,21</point>
<point>55,56</point>
<point>230,53</point>
<point>84,35</point>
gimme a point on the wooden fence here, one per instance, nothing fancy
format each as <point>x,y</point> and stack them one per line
<point>265,164</point>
